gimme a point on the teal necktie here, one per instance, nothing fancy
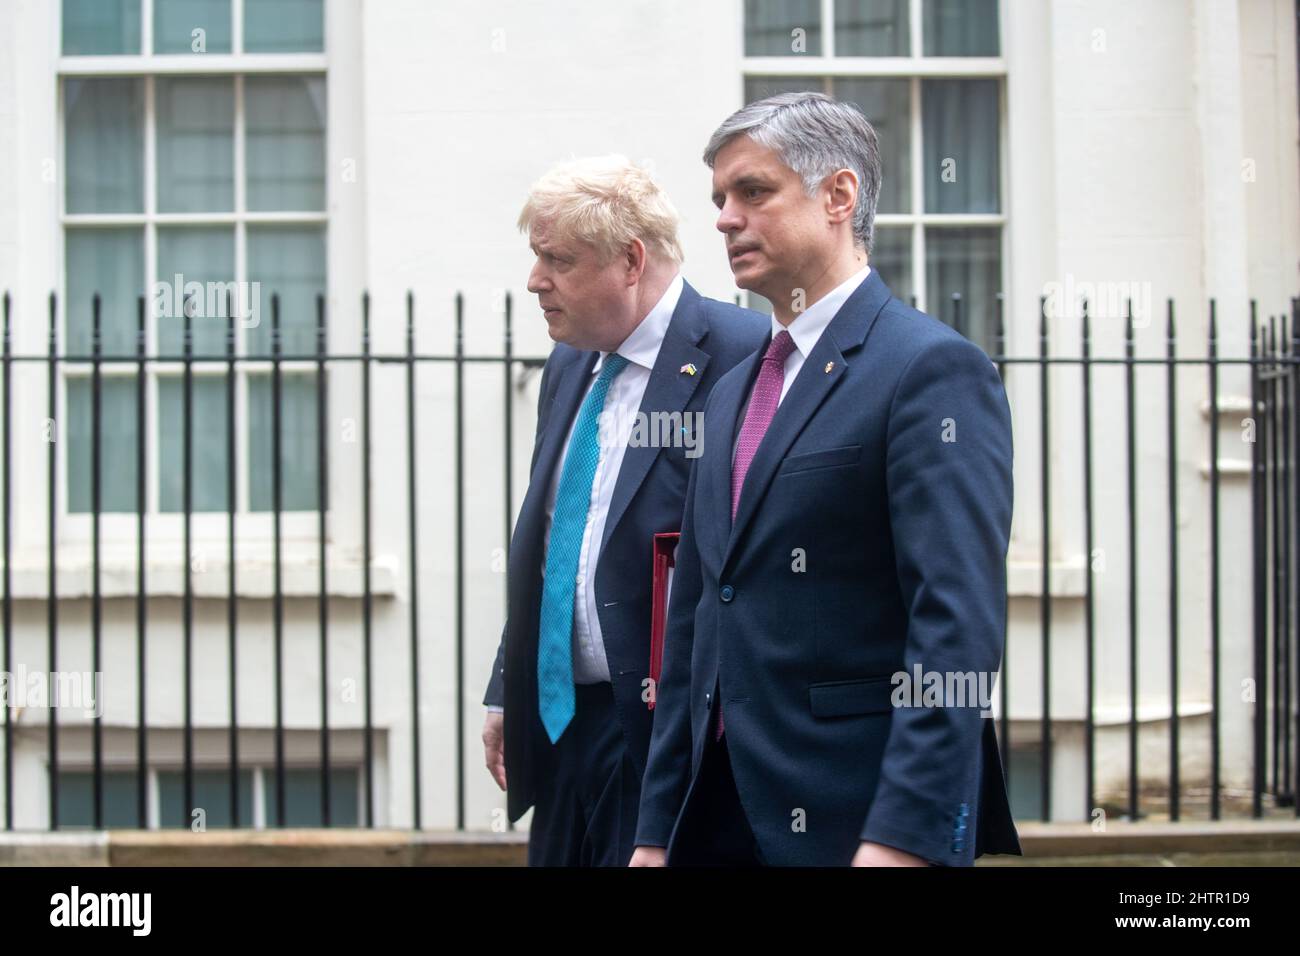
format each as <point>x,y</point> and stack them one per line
<point>555,696</point>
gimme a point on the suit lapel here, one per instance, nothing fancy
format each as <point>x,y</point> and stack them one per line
<point>823,369</point>
<point>569,392</point>
<point>669,390</point>
<point>809,390</point>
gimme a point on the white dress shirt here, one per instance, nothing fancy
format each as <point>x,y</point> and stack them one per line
<point>807,327</point>
<point>622,402</point>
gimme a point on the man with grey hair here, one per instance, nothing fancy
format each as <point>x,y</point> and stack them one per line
<point>568,723</point>
<point>847,523</point>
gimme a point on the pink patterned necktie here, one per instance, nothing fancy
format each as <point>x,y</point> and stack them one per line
<point>758,416</point>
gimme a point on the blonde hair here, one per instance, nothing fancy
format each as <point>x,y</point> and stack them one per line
<point>607,201</point>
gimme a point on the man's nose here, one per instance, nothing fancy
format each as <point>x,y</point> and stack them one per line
<point>537,280</point>
<point>728,219</point>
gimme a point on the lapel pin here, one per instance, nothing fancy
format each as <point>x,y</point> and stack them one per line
<point>689,369</point>
<point>829,366</point>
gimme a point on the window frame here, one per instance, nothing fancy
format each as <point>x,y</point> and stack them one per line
<point>915,68</point>
<point>209,529</point>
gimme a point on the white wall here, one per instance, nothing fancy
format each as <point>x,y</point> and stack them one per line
<point>1130,123</point>
<point>1124,157</point>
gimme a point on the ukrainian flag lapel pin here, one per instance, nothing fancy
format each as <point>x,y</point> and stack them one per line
<point>689,369</point>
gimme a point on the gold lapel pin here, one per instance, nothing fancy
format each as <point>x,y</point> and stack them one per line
<point>829,366</point>
<point>689,369</point>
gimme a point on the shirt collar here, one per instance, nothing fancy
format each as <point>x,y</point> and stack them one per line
<point>808,326</point>
<point>642,346</point>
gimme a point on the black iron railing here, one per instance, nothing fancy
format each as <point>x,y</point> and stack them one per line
<point>1275,572</point>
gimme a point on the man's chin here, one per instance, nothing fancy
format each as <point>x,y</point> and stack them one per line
<point>559,333</point>
<point>748,279</point>
<point>555,329</point>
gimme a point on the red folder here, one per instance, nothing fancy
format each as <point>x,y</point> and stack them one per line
<point>665,547</point>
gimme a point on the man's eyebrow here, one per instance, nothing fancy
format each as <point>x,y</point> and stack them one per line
<point>747,179</point>
<point>554,250</point>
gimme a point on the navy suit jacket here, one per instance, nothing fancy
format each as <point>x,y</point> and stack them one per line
<point>866,543</point>
<point>648,498</point>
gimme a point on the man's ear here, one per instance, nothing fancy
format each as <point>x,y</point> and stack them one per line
<point>634,260</point>
<point>841,195</point>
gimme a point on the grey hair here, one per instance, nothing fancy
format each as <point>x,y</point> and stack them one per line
<point>814,135</point>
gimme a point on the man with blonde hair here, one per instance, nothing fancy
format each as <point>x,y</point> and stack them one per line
<point>638,350</point>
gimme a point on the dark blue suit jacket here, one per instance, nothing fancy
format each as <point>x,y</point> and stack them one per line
<point>865,543</point>
<point>648,498</point>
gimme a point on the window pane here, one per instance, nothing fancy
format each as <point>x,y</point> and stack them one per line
<point>283,26</point>
<point>110,262</point>
<point>960,122</point>
<point>288,261</point>
<point>117,451</point>
<point>758,303</point>
<point>892,258</point>
<point>101,27</point>
<point>966,262</point>
<point>207,443</point>
<point>211,794</point>
<point>187,255</point>
<point>783,27</point>
<point>175,23</point>
<point>1025,782</point>
<point>196,144</point>
<point>302,798</point>
<point>871,28</point>
<point>297,441</point>
<point>105,145</point>
<point>286,142</point>
<point>761,87</point>
<point>77,799</point>
<point>885,105</point>
<point>960,27</point>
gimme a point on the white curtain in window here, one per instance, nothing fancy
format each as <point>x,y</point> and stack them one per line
<point>101,27</point>
<point>196,144</point>
<point>967,262</point>
<point>871,28</point>
<point>297,441</point>
<point>884,102</point>
<point>202,254</point>
<point>104,144</point>
<point>288,261</point>
<point>960,128</point>
<point>770,23</point>
<point>891,256</point>
<point>285,120</point>
<point>208,488</point>
<point>109,261</point>
<point>117,447</point>
<point>960,27</point>
<point>284,26</point>
<point>175,23</point>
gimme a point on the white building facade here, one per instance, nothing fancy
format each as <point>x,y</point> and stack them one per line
<point>332,147</point>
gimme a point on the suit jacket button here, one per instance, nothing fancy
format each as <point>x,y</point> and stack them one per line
<point>727,593</point>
